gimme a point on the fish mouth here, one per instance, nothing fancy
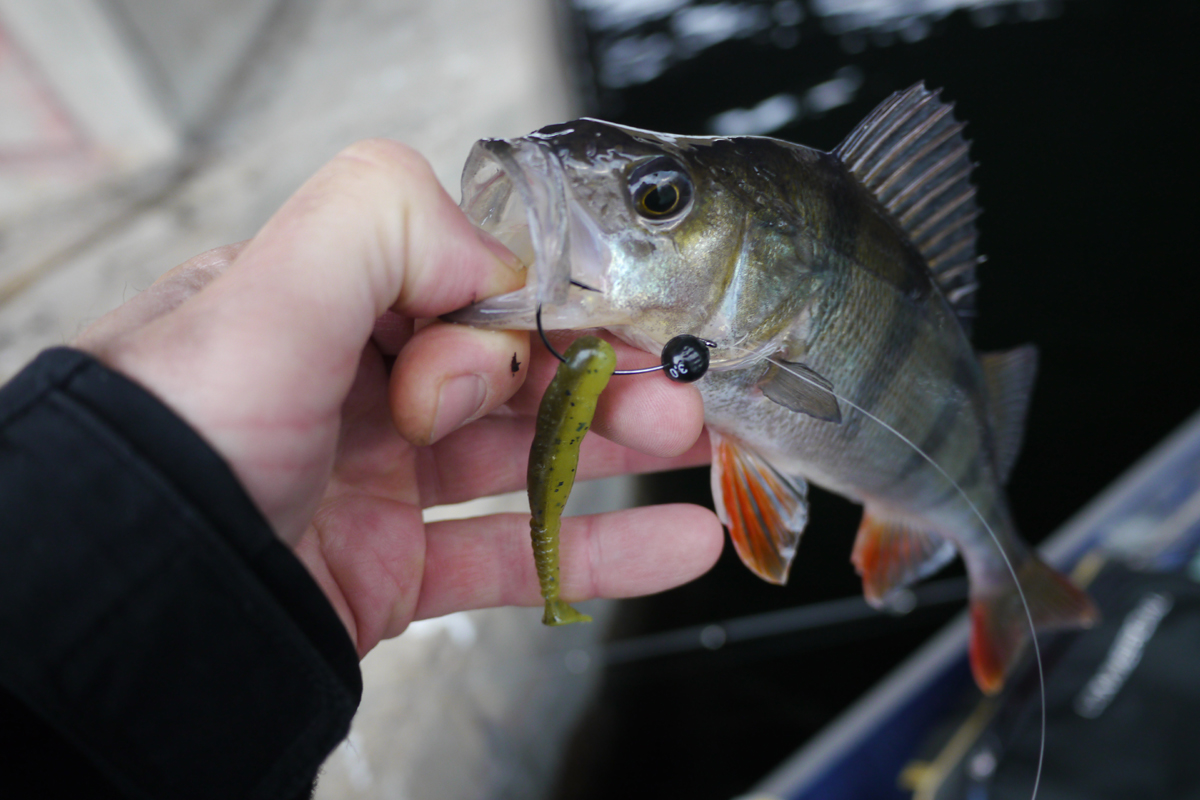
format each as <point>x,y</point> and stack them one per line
<point>516,190</point>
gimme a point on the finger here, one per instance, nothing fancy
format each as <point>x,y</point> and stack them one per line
<point>164,295</point>
<point>379,209</point>
<point>371,458</point>
<point>650,414</point>
<point>448,375</point>
<point>261,360</point>
<point>359,553</point>
<point>621,554</point>
<point>543,365</point>
<point>491,456</point>
<point>391,332</point>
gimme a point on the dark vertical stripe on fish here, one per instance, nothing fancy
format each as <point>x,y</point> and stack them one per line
<point>887,360</point>
<point>967,480</point>
<point>843,235</point>
<point>859,222</point>
<point>843,213</point>
<point>943,424</point>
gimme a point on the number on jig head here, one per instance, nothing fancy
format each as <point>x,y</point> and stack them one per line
<point>685,358</point>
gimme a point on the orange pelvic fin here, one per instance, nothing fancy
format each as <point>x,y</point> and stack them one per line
<point>765,510</point>
<point>1000,629</point>
<point>890,555</point>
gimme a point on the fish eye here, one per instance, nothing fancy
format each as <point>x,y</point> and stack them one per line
<point>660,189</point>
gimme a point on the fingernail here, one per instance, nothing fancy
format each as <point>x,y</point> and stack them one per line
<point>458,402</point>
<point>500,251</point>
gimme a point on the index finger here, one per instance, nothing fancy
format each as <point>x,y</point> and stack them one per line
<point>373,230</point>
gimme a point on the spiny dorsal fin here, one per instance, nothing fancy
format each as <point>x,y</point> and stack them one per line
<point>910,152</point>
<point>1009,379</point>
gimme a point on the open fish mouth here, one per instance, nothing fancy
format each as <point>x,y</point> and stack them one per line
<point>515,190</point>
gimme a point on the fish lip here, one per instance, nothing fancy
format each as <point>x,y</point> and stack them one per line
<point>537,176</point>
<point>516,190</point>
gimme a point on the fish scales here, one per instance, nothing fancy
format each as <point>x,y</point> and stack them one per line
<point>885,366</point>
<point>837,290</point>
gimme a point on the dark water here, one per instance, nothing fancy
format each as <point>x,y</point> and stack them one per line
<point>1080,113</point>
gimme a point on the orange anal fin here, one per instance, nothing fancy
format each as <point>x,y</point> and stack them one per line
<point>765,510</point>
<point>890,555</point>
<point>1000,626</point>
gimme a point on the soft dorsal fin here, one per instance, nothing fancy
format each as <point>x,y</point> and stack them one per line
<point>910,152</point>
<point>1009,379</point>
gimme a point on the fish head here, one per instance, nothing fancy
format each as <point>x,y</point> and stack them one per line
<point>648,235</point>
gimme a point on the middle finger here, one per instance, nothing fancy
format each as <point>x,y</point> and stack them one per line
<point>491,456</point>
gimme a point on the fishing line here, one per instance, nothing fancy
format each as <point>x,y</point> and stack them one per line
<point>703,344</point>
<point>1007,562</point>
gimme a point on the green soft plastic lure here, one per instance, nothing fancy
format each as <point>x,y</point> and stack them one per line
<point>564,417</point>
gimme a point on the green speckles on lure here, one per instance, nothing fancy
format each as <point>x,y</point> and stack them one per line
<point>563,419</point>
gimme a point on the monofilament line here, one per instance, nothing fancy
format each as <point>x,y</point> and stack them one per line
<point>974,510</point>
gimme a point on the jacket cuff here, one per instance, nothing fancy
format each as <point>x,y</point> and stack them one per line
<point>147,610</point>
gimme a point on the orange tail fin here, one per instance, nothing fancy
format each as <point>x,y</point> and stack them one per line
<point>1000,628</point>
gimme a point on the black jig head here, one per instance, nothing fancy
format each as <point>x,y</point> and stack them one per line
<point>685,358</point>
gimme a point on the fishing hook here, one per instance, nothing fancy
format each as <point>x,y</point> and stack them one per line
<point>684,357</point>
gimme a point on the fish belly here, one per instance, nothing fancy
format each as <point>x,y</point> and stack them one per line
<point>908,383</point>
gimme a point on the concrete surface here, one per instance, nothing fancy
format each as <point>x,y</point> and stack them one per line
<point>471,706</point>
<point>435,75</point>
<point>85,105</point>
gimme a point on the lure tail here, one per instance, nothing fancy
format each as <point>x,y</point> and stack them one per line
<point>1000,627</point>
<point>559,612</point>
<point>544,534</point>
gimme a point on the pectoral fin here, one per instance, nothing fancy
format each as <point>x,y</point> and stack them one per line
<point>890,555</point>
<point>765,510</point>
<point>799,388</point>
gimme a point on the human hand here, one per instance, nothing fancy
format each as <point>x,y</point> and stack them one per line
<point>308,359</point>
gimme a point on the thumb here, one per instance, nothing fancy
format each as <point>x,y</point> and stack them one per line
<point>372,230</point>
<point>261,359</point>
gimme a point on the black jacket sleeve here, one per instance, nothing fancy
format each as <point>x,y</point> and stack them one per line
<point>156,639</point>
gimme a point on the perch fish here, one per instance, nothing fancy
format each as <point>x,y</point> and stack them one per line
<point>838,290</point>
